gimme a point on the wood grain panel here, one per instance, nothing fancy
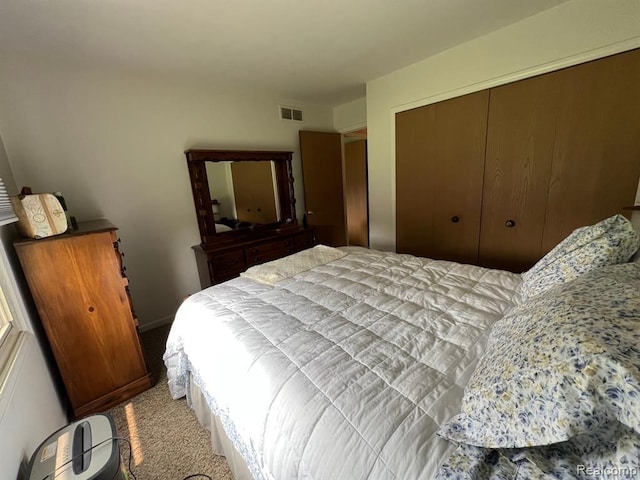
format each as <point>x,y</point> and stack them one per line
<point>562,151</point>
<point>414,206</point>
<point>323,178</point>
<point>253,191</point>
<point>356,195</point>
<point>439,174</point>
<point>523,119</point>
<point>81,299</point>
<point>596,158</point>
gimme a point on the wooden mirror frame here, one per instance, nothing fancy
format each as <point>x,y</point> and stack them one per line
<point>196,162</point>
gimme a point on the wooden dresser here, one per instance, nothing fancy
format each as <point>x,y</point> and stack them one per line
<point>220,262</point>
<point>79,287</point>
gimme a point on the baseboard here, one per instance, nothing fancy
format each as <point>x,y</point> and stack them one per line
<point>155,323</point>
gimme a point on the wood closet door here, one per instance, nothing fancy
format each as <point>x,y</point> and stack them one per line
<point>439,171</point>
<point>521,133</point>
<point>563,151</point>
<point>596,159</point>
<point>253,191</point>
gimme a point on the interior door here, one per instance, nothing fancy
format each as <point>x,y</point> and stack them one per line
<point>439,171</point>
<point>356,196</point>
<point>323,180</point>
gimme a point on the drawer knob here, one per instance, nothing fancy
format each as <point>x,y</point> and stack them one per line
<point>510,223</point>
<point>455,219</point>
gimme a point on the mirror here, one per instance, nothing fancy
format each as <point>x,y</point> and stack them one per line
<point>243,194</point>
<point>240,193</point>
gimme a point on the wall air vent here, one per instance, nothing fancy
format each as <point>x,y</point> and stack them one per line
<point>290,113</point>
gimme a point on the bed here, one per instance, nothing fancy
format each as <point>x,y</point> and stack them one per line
<point>358,364</point>
<point>221,227</point>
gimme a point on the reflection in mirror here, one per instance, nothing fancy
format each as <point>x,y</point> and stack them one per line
<point>243,194</point>
<point>285,212</point>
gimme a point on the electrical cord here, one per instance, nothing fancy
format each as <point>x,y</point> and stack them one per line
<point>188,477</point>
<point>53,474</point>
<point>130,457</point>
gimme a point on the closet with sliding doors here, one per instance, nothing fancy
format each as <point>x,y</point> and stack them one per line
<point>499,177</point>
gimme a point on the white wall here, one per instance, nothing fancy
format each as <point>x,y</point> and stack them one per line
<point>33,411</point>
<point>570,33</point>
<point>221,188</point>
<point>29,407</point>
<point>113,144</point>
<point>350,116</point>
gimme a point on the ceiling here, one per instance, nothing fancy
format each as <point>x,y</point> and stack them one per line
<point>318,51</point>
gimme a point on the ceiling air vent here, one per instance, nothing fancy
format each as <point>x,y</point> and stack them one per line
<point>290,113</point>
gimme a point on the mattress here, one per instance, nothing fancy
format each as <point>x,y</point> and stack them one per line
<point>344,370</point>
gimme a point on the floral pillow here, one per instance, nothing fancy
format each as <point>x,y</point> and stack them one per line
<point>560,364</point>
<point>613,448</point>
<point>608,242</point>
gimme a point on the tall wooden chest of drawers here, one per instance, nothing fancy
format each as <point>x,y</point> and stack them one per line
<point>79,287</point>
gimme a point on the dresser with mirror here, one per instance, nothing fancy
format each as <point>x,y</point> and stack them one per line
<point>245,208</point>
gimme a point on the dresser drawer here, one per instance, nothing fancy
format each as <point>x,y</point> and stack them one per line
<point>116,248</point>
<point>227,265</point>
<point>304,240</point>
<point>115,240</point>
<point>217,265</point>
<point>269,251</point>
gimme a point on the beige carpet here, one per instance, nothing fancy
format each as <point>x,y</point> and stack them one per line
<point>168,442</point>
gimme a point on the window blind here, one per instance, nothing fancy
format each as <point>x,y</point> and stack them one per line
<point>7,214</point>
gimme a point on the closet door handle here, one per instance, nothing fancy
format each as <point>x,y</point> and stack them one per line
<point>455,219</point>
<point>510,223</point>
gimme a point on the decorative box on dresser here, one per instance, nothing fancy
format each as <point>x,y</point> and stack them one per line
<point>80,290</point>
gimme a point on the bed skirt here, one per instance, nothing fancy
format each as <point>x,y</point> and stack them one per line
<point>220,443</point>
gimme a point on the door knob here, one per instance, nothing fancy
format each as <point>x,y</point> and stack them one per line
<point>510,223</point>
<point>309,212</point>
<point>455,219</point>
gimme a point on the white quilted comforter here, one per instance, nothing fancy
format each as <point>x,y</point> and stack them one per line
<point>344,371</point>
